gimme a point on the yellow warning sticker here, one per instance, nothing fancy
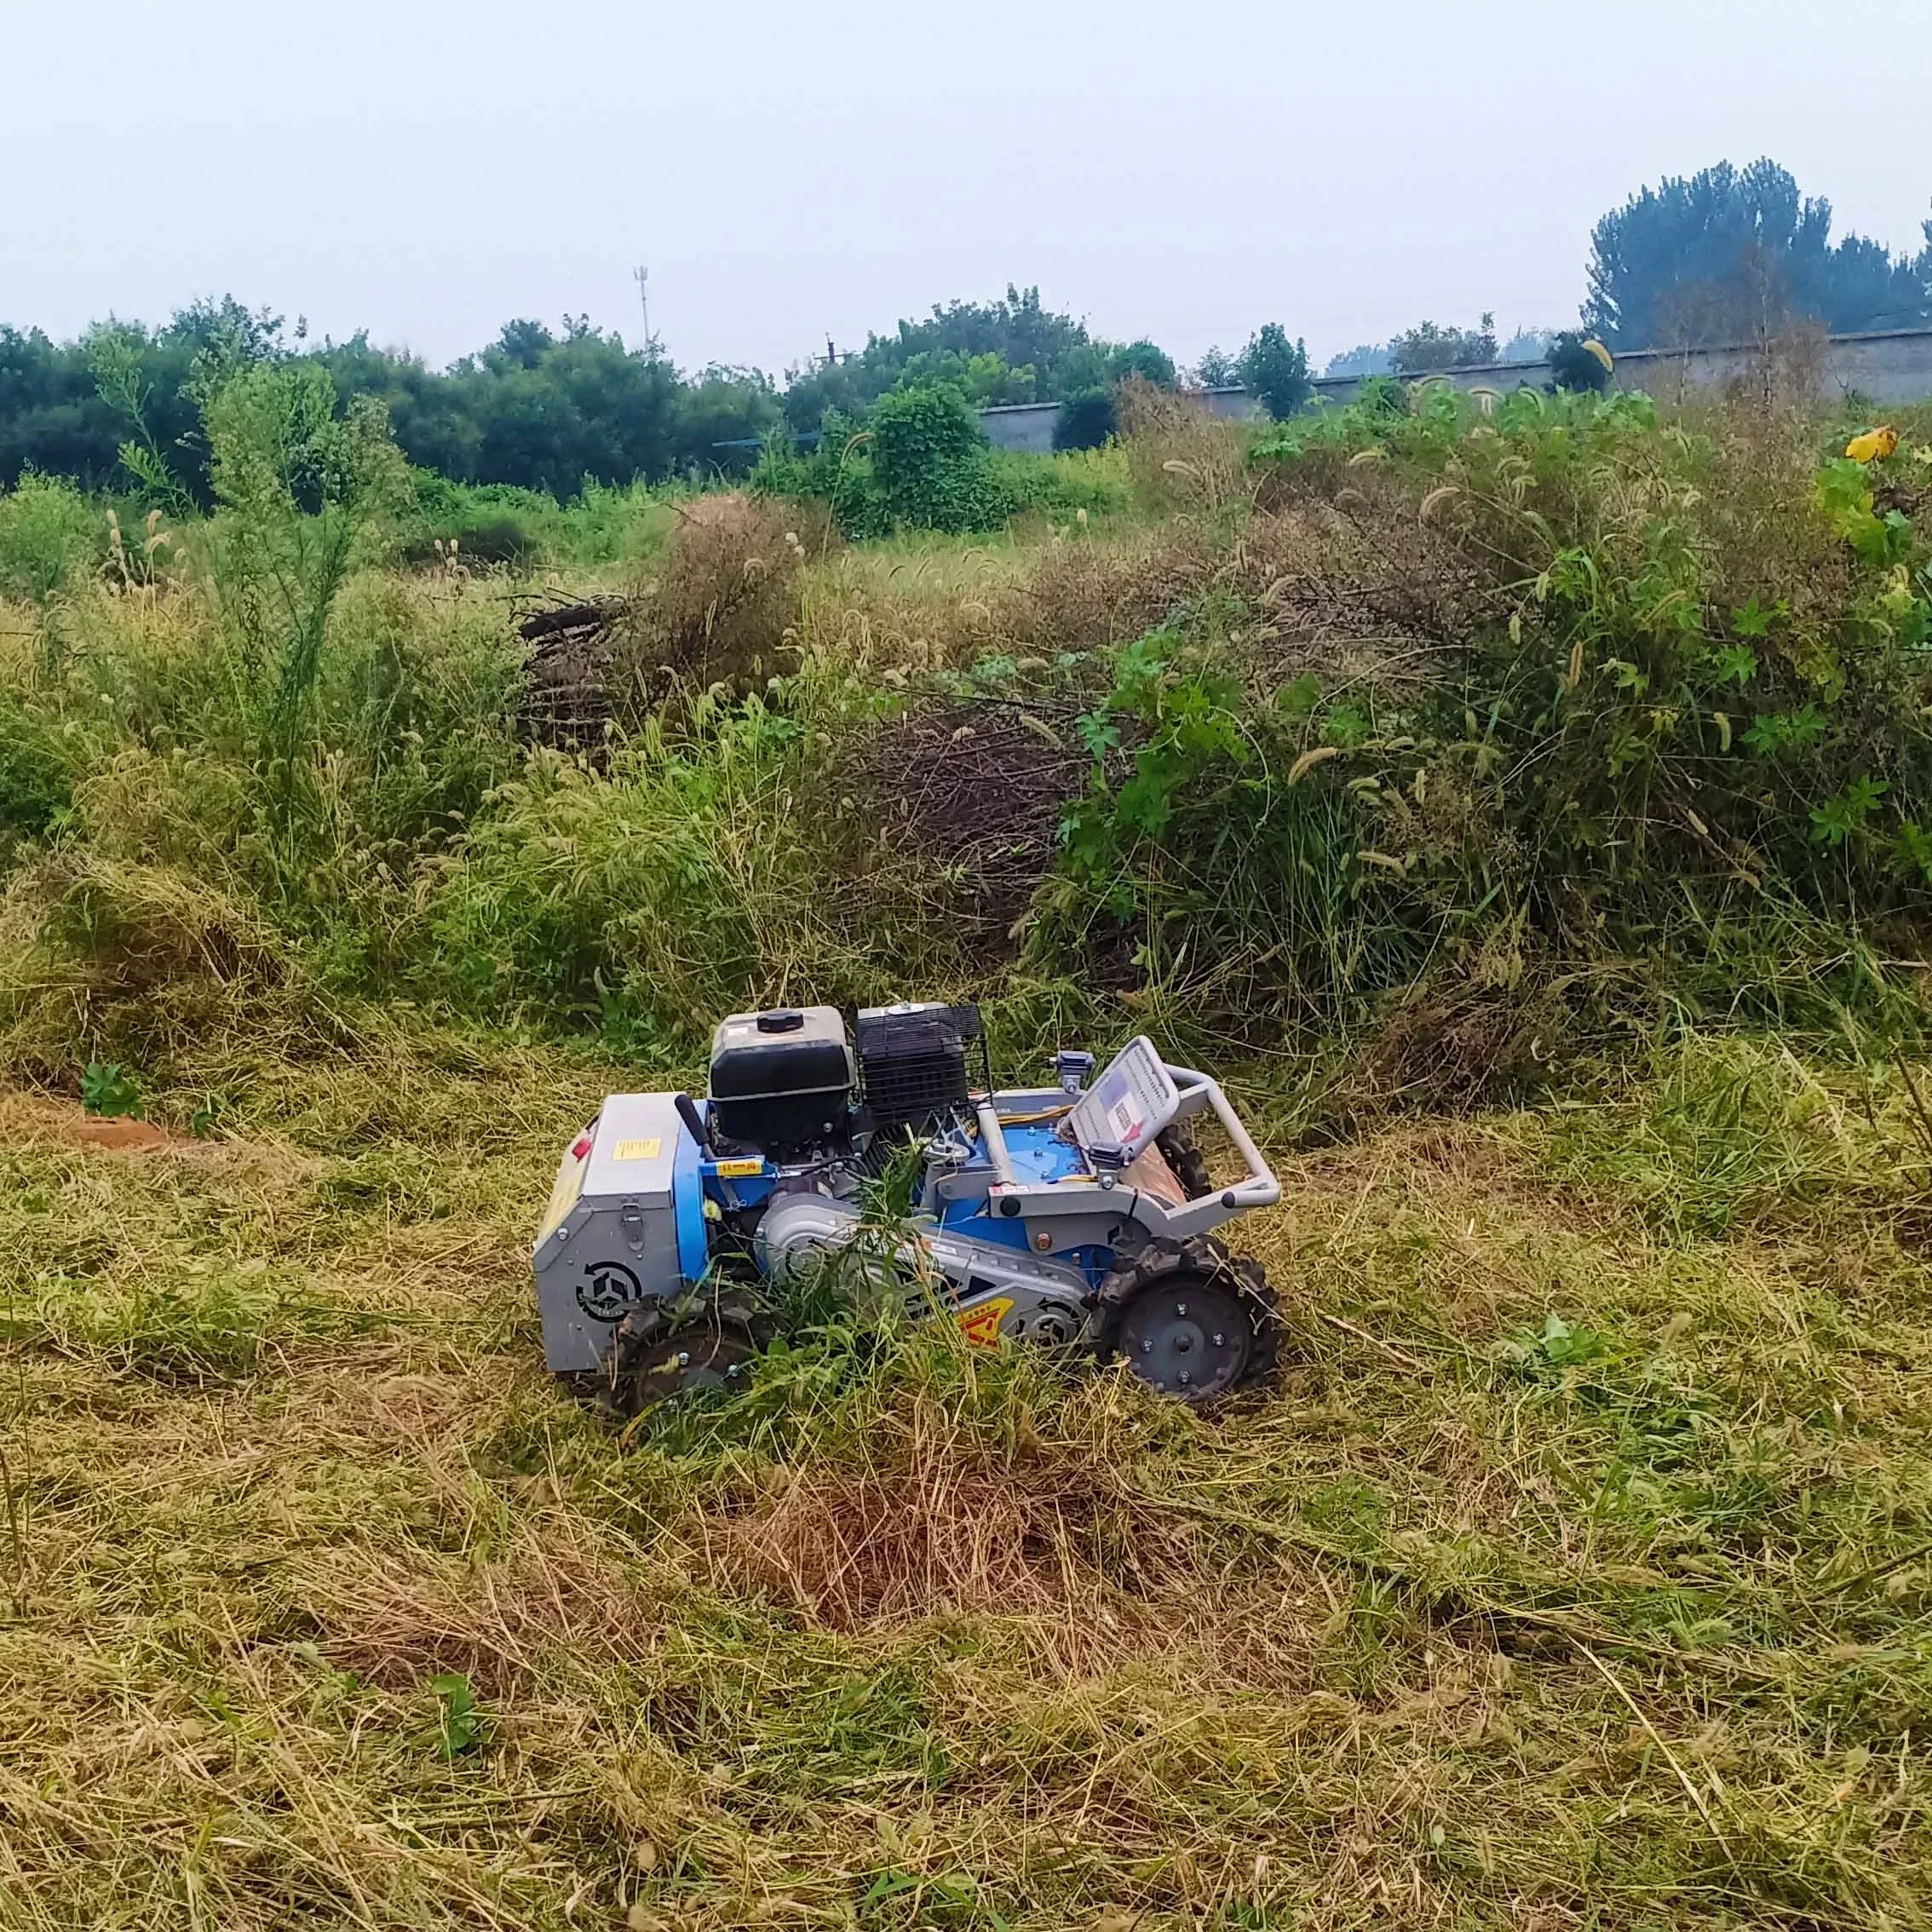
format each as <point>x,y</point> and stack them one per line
<point>739,1169</point>
<point>636,1150</point>
<point>980,1324</point>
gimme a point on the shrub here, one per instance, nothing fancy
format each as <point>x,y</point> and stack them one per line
<point>718,604</point>
<point>50,536</point>
<point>1086,421</point>
<point>36,774</point>
<point>836,471</point>
<point>1574,366</point>
<point>930,461</point>
<point>1095,481</point>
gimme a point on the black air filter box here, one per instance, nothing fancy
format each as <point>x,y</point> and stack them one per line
<point>913,1059</point>
<point>783,1080</point>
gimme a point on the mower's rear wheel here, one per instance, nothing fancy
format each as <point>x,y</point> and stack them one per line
<point>1191,1318</point>
<point>661,1349</point>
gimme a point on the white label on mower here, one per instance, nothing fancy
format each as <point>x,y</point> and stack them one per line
<point>1130,1102</point>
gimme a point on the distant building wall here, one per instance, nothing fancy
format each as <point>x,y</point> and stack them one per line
<point>1021,426</point>
<point>1890,365</point>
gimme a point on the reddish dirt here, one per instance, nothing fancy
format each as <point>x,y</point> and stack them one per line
<point>34,1120</point>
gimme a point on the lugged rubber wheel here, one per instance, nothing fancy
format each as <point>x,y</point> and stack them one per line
<point>1188,1163</point>
<point>1193,1320</point>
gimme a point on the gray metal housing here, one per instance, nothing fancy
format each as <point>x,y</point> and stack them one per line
<point>611,1238</point>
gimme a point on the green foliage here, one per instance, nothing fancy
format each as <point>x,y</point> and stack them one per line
<point>297,490</point>
<point>1427,347</point>
<point>1713,256</point>
<point>461,1723</point>
<point>1660,739</point>
<point>1276,370</point>
<point>1197,843</point>
<point>50,536</point>
<point>1008,351</point>
<point>1575,368</point>
<point>930,462</point>
<point>1383,395</point>
<point>1062,486</point>
<point>836,471</point>
<point>36,773</point>
<point>1145,360</point>
<point>109,1088</point>
<point>1217,369</point>
<point>1366,359</point>
<point>1086,421</point>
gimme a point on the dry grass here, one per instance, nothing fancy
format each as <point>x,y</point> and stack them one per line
<point>1474,1621</point>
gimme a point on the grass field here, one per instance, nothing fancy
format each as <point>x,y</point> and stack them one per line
<point>1525,813</point>
<point>1576,1574</point>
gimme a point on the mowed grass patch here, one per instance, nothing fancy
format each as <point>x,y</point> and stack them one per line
<point>1576,1573</point>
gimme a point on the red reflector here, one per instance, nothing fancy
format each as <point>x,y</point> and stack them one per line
<point>582,1148</point>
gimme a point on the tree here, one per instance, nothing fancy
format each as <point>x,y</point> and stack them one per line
<point>1086,421</point>
<point>724,405</point>
<point>1726,252</point>
<point>1016,350</point>
<point>1217,370</point>
<point>1426,346</point>
<point>1143,359</point>
<point>1366,359</point>
<point>1275,371</point>
<point>1573,365</point>
<point>1529,345</point>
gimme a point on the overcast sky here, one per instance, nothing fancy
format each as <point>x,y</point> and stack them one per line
<point>428,170</point>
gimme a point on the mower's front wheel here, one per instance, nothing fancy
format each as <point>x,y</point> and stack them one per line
<point>1191,1318</point>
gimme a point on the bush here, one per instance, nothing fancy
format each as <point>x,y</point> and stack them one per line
<point>1086,421</point>
<point>36,775</point>
<point>1574,366</point>
<point>50,536</point>
<point>930,461</point>
<point>836,471</point>
<point>1680,718</point>
<point>491,523</point>
<point>718,604</point>
<point>1095,481</point>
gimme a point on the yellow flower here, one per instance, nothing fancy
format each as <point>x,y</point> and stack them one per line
<point>1874,445</point>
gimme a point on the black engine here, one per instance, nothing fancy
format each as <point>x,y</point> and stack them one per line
<point>785,1082</point>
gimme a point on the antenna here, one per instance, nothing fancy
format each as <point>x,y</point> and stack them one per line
<point>642,276</point>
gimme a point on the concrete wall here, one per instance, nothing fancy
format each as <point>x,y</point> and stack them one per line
<point>1020,425</point>
<point>1890,365</point>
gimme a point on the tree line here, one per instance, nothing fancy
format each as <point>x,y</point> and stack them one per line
<point>1721,255</point>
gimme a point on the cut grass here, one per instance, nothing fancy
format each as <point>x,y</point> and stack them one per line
<point>1576,1574</point>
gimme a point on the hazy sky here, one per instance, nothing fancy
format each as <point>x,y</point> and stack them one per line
<point>429,170</point>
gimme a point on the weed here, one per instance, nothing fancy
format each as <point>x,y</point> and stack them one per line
<point>109,1088</point>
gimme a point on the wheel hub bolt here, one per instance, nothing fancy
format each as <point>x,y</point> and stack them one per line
<point>1147,1347</point>
<point>684,1361</point>
<point>1180,1307</point>
<point>1182,1378</point>
<point>1219,1340</point>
